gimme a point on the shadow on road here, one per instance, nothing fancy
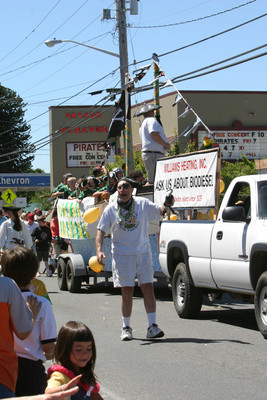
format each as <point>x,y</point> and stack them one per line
<point>243,318</point>
<point>225,311</point>
<point>162,292</point>
<point>188,340</point>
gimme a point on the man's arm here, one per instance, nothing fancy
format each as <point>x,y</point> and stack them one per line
<point>48,350</point>
<point>98,244</point>
<point>156,136</point>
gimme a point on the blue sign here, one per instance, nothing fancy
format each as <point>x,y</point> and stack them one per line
<point>34,181</point>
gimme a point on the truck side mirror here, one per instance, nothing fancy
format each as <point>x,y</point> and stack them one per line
<point>234,213</point>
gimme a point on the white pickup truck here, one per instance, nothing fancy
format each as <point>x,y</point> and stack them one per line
<point>226,255</point>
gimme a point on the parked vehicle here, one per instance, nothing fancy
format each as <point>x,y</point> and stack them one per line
<point>226,255</point>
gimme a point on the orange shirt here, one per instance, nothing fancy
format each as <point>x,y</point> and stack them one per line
<point>15,317</point>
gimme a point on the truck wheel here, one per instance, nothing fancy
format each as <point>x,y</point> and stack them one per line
<point>61,274</point>
<point>73,282</point>
<point>186,297</point>
<point>261,304</point>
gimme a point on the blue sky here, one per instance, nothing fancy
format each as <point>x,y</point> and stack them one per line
<point>46,77</point>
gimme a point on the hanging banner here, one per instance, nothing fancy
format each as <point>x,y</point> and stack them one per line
<point>191,178</point>
<point>70,218</point>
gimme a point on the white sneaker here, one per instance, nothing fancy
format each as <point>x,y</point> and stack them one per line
<point>126,333</point>
<point>154,332</point>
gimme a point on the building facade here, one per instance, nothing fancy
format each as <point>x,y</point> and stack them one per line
<point>237,119</point>
<point>77,134</point>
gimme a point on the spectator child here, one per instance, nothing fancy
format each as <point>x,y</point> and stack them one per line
<point>90,189</point>
<point>54,226</point>
<point>75,354</point>
<point>21,264</point>
<point>42,238</point>
<point>31,223</point>
<point>15,317</point>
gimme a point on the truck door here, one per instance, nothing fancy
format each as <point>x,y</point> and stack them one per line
<point>230,244</point>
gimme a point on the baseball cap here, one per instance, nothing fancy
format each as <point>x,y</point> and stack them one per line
<point>30,217</point>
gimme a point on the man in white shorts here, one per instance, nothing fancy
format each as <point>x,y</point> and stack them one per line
<point>127,220</point>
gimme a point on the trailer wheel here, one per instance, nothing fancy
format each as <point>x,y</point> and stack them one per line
<point>73,282</point>
<point>61,274</point>
<point>186,297</point>
<point>260,303</point>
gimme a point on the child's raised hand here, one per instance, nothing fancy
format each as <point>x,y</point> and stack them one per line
<point>72,383</point>
<point>34,305</point>
<point>57,396</point>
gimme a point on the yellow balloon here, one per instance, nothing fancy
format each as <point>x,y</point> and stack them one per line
<point>173,217</point>
<point>94,264</point>
<point>91,215</point>
<point>222,185</point>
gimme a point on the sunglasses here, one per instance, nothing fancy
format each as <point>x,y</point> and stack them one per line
<point>123,186</point>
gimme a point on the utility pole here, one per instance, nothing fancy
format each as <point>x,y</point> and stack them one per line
<point>120,15</point>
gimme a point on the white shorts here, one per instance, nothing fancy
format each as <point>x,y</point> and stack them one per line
<point>126,268</point>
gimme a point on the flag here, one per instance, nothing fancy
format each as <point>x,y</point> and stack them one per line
<point>160,74</point>
<point>187,109</point>
<point>167,83</point>
<point>118,121</point>
<point>193,128</point>
<point>177,98</point>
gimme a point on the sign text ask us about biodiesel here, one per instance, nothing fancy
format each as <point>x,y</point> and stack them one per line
<point>190,177</point>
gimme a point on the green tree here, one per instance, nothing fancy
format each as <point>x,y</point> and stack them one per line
<point>15,149</point>
<point>229,171</point>
<point>137,161</point>
<point>175,147</point>
<point>191,146</point>
<point>39,197</point>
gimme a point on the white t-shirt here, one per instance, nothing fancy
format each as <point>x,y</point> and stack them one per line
<point>129,236</point>
<point>31,227</point>
<point>44,331</point>
<point>7,234</point>
<point>149,125</point>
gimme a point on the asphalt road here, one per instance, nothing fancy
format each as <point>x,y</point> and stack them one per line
<point>221,355</point>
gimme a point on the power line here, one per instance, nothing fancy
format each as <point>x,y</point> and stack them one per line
<point>222,61</point>
<point>34,29</point>
<point>191,20</point>
<point>222,68</point>
<point>49,139</point>
<point>69,98</point>
<point>41,43</point>
<point>182,78</point>
<point>33,63</point>
<point>202,40</point>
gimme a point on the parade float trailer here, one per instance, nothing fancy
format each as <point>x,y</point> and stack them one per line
<point>73,268</point>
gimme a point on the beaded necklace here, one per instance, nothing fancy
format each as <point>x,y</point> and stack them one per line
<point>126,216</point>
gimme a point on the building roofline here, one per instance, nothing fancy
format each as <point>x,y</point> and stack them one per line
<point>201,91</point>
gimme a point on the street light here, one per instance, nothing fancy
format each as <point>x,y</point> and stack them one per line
<point>52,42</point>
<point>123,56</point>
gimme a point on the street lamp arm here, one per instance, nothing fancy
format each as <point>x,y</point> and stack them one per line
<point>52,42</point>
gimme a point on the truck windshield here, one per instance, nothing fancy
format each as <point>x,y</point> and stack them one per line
<point>263,199</point>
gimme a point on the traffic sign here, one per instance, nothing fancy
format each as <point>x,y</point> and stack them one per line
<point>8,196</point>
